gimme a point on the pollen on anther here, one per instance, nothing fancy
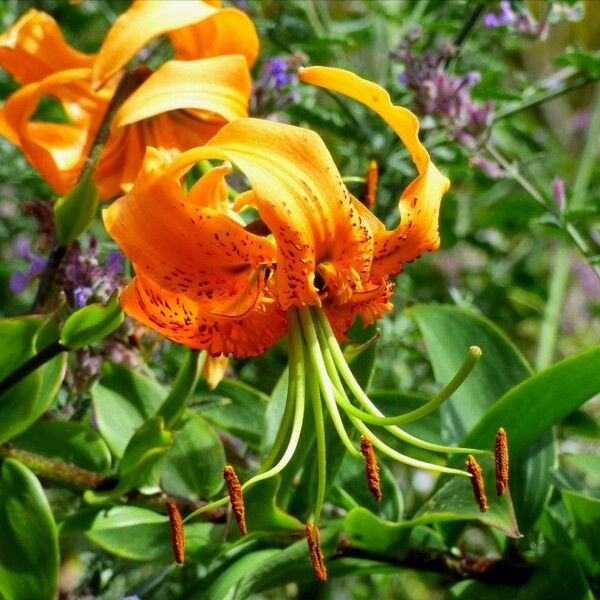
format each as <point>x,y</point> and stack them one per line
<point>477,482</point>
<point>236,498</point>
<point>370,191</point>
<point>313,539</point>
<point>371,467</point>
<point>501,462</point>
<point>177,532</point>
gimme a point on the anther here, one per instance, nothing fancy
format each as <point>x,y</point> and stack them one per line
<point>313,539</point>
<point>371,467</point>
<point>177,532</point>
<point>501,462</point>
<point>370,191</point>
<point>235,497</point>
<point>477,482</point>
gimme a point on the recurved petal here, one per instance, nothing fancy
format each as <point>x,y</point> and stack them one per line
<point>187,249</point>
<point>221,31</point>
<point>34,47</point>
<point>420,202</point>
<point>302,200</point>
<point>210,190</point>
<point>220,86</point>
<point>184,321</point>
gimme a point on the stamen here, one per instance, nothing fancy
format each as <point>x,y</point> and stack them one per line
<point>372,468</point>
<point>370,192</point>
<point>477,482</point>
<point>236,497</point>
<point>501,462</point>
<point>177,532</point>
<point>313,539</point>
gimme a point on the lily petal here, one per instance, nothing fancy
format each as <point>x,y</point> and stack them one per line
<point>34,48</point>
<point>419,204</point>
<point>187,249</point>
<point>184,321</point>
<point>218,85</point>
<point>218,31</point>
<point>302,200</point>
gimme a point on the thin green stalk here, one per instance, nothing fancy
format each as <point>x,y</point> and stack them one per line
<point>587,162</point>
<point>318,371</point>
<point>559,281</point>
<point>346,373</point>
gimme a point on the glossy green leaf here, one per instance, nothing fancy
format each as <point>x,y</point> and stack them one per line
<point>91,324</point>
<point>193,467</point>
<point>29,556</point>
<point>175,403</point>
<point>122,401</point>
<point>448,331</point>
<point>585,517</point>
<point>236,408</point>
<point>137,533</point>
<point>144,451</point>
<point>274,411</point>
<point>454,502</point>
<point>74,212</point>
<point>367,531</point>
<point>26,401</point>
<point>68,441</point>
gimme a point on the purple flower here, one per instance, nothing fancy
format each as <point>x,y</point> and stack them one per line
<point>19,280</point>
<point>558,191</point>
<point>278,68</point>
<point>114,263</point>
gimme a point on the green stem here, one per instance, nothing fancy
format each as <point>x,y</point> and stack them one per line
<point>36,361</point>
<point>556,295</point>
<point>587,161</point>
<point>541,98</point>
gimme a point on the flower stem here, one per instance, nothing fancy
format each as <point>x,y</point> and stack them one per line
<point>36,361</point>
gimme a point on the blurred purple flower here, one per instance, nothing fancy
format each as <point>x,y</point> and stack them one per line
<point>493,170</point>
<point>505,17</point>
<point>278,68</point>
<point>444,96</point>
<point>522,22</point>
<point>85,278</point>
<point>558,191</point>
<point>19,280</point>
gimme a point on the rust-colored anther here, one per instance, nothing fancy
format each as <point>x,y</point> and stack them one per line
<point>501,462</point>
<point>235,497</point>
<point>177,532</point>
<point>313,539</point>
<point>477,482</point>
<point>370,191</point>
<point>371,467</point>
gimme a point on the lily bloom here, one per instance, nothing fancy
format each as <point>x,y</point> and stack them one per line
<point>182,105</point>
<point>315,260</point>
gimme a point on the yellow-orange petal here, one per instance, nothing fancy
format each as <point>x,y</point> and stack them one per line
<point>34,47</point>
<point>57,150</point>
<point>210,190</point>
<point>302,200</point>
<point>220,31</point>
<point>214,370</point>
<point>420,202</point>
<point>220,86</point>
<point>188,249</point>
<point>183,321</point>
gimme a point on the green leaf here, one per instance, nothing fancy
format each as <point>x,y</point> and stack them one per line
<point>454,502</point>
<point>144,451</point>
<point>137,533</point>
<point>91,324</point>
<point>29,557</point>
<point>175,403</point>
<point>448,332</point>
<point>68,441</point>
<point>588,464</point>
<point>123,400</point>
<point>363,361</point>
<point>27,400</point>
<point>193,467</point>
<point>585,516</point>
<point>74,212</point>
<point>236,408</point>
<point>367,531</point>
<point>531,408</point>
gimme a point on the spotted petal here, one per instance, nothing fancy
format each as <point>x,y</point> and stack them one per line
<point>420,202</point>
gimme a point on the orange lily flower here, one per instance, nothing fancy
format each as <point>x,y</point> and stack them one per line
<point>181,105</point>
<point>206,280</point>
